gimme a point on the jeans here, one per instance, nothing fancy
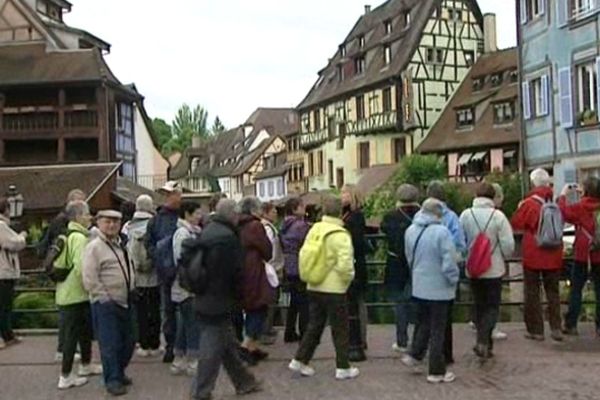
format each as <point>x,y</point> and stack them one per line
<point>169,319</point>
<point>404,310</point>
<point>7,293</point>
<point>187,338</point>
<point>218,346</point>
<point>430,334</point>
<point>534,318</point>
<point>324,306</point>
<point>487,295</point>
<point>77,329</point>
<point>148,317</point>
<point>255,323</point>
<point>298,310</point>
<point>579,276</point>
<point>114,329</point>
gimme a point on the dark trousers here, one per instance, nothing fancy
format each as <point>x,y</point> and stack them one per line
<point>534,318</point>
<point>77,329</point>
<point>430,332</point>
<point>218,346</point>
<point>237,319</point>
<point>169,316</point>
<point>449,335</point>
<point>579,276</point>
<point>298,311</point>
<point>487,295</point>
<point>187,338</point>
<point>113,325</point>
<point>7,293</point>
<point>148,317</point>
<point>61,332</point>
<point>356,338</point>
<point>324,306</point>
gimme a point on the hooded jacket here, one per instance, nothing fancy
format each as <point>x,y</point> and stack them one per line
<point>499,232</point>
<point>582,215</point>
<point>71,291</point>
<point>450,220</point>
<point>184,232</point>
<point>10,244</point>
<point>163,225</point>
<point>435,273</point>
<point>293,232</point>
<point>526,219</point>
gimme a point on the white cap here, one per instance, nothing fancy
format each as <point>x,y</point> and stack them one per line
<point>171,187</point>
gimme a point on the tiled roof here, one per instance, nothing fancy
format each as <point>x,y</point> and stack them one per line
<point>129,191</point>
<point>403,40</point>
<point>444,135</point>
<point>58,181</point>
<point>375,177</point>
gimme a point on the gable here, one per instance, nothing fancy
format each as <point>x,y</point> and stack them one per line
<point>15,25</point>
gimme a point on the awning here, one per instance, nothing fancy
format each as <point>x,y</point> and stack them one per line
<point>510,153</point>
<point>479,156</point>
<point>464,159</point>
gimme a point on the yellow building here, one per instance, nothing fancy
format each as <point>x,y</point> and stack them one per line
<point>386,86</point>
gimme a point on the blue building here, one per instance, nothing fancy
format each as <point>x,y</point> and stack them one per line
<point>559,54</point>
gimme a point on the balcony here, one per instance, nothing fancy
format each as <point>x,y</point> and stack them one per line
<point>313,139</point>
<point>152,182</point>
<point>48,120</point>
<point>375,122</point>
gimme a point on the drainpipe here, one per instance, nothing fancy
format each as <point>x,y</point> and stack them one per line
<point>523,146</point>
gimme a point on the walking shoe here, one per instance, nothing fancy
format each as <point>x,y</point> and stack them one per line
<point>154,353</point>
<point>259,355</point>
<point>533,336</point>
<point>14,341</point>
<point>89,370</point>
<point>357,355</point>
<point>142,353</point>
<point>179,366</point>
<point>126,381</point>
<point>412,363</point>
<point>257,386</point>
<point>399,349</point>
<point>472,326</point>
<point>116,390</point>
<point>192,368</point>
<point>169,357</point>
<point>482,351</point>
<point>447,378</point>
<point>556,335</point>
<point>344,374</point>
<point>291,337</point>
<point>497,334</point>
<point>2,344</point>
<point>247,357</point>
<point>570,331</point>
<point>303,369</point>
<point>71,381</point>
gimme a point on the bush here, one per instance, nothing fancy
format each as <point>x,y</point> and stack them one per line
<point>35,301</point>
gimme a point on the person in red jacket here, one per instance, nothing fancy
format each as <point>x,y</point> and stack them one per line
<point>587,259</point>
<point>539,263</point>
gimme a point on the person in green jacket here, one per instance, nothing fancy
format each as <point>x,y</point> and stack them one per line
<point>73,300</point>
<point>327,266</point>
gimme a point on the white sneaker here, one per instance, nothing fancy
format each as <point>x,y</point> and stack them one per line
<point>154,353</point>
<point>179,366</point>
<point>499,335</point>
<point>399,349</point>
<point>192,368</point>
<point>303,369</point>
<point>472,325</point>
<point>71,381</point>
<point>350,373</point>
<point>2,344</point>
<point>449,377</point>
<point>412,363</point>
<point>90,369</point>
<point>142,353</point>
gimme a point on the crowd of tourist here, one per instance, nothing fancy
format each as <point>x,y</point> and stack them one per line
<point>202,289</point>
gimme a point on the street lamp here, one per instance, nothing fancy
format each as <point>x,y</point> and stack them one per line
<point>15,202</point>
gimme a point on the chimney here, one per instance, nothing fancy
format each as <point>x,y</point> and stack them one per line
<point>211,161</point>
<point>490,43</point>
<point>196,141</point>
<point>367,8</point>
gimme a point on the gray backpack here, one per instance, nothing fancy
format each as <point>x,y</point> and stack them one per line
<point>550,225</point>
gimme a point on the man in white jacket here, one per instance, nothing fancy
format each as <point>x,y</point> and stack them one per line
<point>483,217</point>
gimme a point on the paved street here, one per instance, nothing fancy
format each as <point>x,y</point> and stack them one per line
<point>521,370</point>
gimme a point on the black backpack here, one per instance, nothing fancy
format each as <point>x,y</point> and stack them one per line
<point>192,272</point>
<point>401,222</point>
<point>54,251</point>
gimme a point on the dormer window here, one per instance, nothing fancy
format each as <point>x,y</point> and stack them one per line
<point>361,41</point>
<point>496,79</point>
<point>504,113</point>
<point>469,58</point>
<point>388,27</point>
<point>50,10</point>
<point>406,19</point>
<point>343,50</point>
<point>387,54</point>
<point>464,118</point>
<point>340,72</point>
<point>455,15</point>
<point>359,65</point>
<point>477,84</point>
<point>514,76</point>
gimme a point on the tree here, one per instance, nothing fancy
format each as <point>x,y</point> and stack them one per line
<point>161,133</point>
<point>186,124</point>
<point>217,127</point>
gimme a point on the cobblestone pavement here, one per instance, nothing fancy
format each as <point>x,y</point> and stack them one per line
<point>522,370</point>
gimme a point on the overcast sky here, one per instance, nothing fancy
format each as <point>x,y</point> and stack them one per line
<point>231,56</point>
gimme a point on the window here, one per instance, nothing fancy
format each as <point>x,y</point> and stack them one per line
<point>321,161</point>
<point>359,65</point>
<point>261,189</point>
<point>496,79</point>
<point>341,136</point>
<point>387,25</point>
<point>504,113</point>
<point>374,104</point>
<point>455,15</point>
<point>280,187</point>
<point>464,118</point>
<point>317,119</point>
<point>311,164</point>
<point>539,94</point>
<point>361,41</point>
<point>305,123</point>
<point>387,100</point>
<point>406,19</point>
<point>331,173</point>
<point>469,57</point>
<point>271,186</point>
<point>532,9</point>
<point>513,76</point>
<point>587,83</point>
<point>387,54</point>
<point>582,8</point>
<point>343,50</point>
<point>478,84</point>
<point>340,72</point>
<point>435,56</point>
<point>364,150</point>
<point>125,141</point>
<point>398,149</point>
<point>340,178</point>
<point>331,128</point>
<point>360,107</point>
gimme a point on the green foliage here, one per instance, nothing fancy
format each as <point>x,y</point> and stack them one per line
<point>419,170</point>
<point>458,197</point>
<point>178,136</point>
<point>217,127</point>
<point>36,232</point>
<point>35,301</point>
<point>162,133</point>
<point>512,184</point>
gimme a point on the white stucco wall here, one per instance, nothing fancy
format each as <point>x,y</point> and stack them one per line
<point>151,167</point>
<point>270,189</point>
<point>225,185</point>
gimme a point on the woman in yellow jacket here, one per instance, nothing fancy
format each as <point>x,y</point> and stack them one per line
<point>327,266</point>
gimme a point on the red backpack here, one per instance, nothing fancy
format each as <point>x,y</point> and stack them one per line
<point>480,253</point>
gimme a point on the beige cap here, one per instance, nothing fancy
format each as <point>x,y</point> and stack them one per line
<point>112,214</point>
<point>171,187</point>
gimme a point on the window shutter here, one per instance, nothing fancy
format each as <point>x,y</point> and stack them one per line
<point>523,11</point>
<point>562,12</point>
<point>542,7</point>
<point>598,83</point>
<point>565,94</point>
<point>544,94</point>
<point>526,96</point>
